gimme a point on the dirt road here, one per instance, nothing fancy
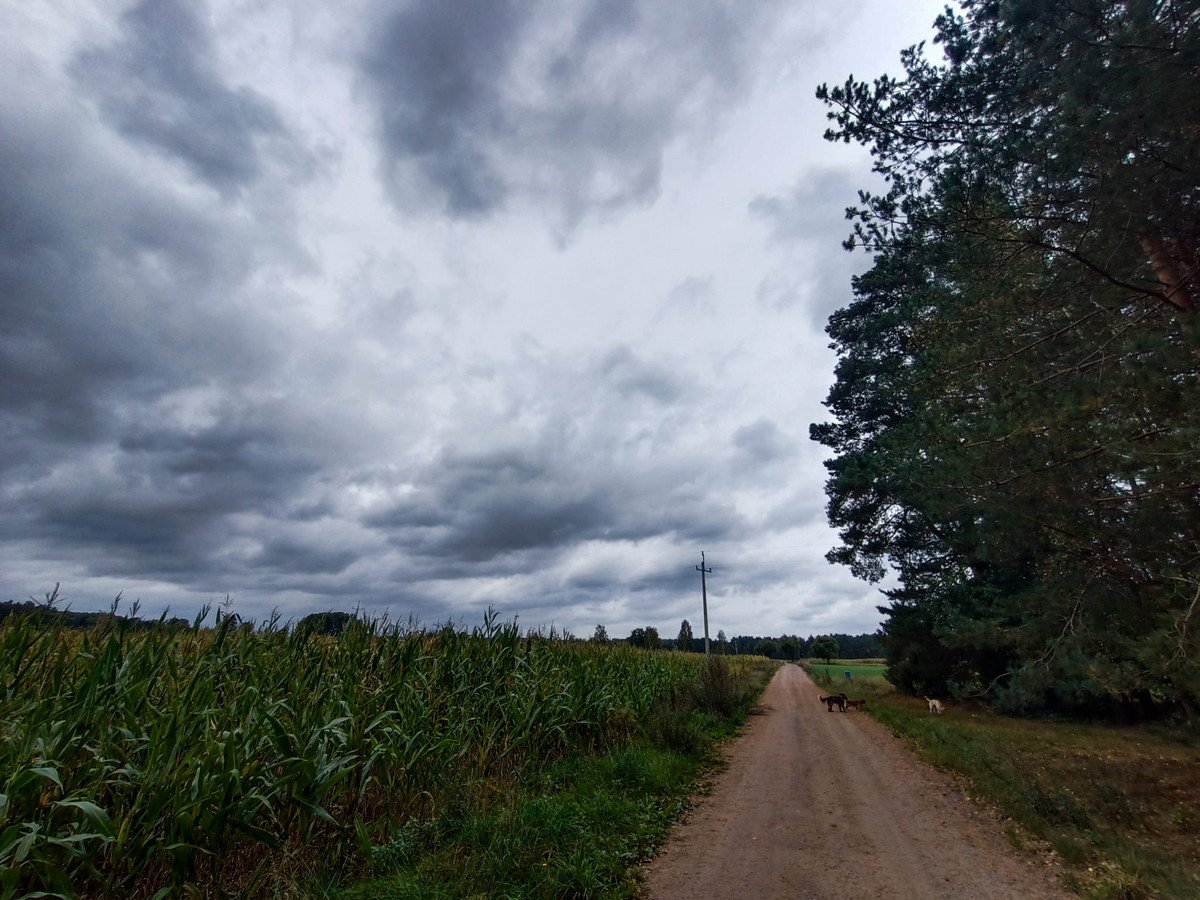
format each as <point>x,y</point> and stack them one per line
<point>826,805</point>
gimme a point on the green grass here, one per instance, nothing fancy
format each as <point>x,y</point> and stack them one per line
<point>578,829</point>
<point>1118,806</point>
<point>859,670</point>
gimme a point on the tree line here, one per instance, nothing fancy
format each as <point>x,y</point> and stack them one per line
<point>785,646</point>
<point>334,622</point>
<point>1016,411</point>
<point>46,614</point>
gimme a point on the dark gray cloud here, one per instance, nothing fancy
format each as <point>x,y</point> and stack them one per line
<point>126,349</point>
<point>481,103</point>
<point>160,502</point>
<point>650,593</point>
<point>473,512</point>
<point>630,376</point>
<point>159,84</point>
<point>114,534</point>
<point>762,443</point>
<point>813,209</point>
<point>437,70</point>
<point>111,290</point>
<point>811,218</point>
<point>303,559</point>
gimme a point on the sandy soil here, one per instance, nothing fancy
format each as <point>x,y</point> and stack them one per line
<point>826,805</point>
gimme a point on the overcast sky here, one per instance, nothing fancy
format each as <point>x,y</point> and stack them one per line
<point>428,307</point>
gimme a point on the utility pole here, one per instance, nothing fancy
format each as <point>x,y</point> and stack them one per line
<point>704,595</point>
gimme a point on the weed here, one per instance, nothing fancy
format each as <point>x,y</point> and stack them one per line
<point>720,688</point>
<point>410,841</point>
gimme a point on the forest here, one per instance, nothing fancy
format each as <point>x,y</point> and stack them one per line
<point>786,646</point>
<point>1015,415</point>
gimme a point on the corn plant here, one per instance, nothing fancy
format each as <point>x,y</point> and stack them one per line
<point>158,761</point>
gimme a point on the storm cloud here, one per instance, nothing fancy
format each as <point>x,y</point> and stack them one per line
<point>567,106</point>
<point>422,308</point>
<point>159,84</point>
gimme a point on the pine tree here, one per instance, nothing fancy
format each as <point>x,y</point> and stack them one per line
<point>1016,406</point>
<point>684,641</point>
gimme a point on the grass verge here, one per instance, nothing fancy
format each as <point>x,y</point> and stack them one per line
<point>1119,806</point>
<point>577,828</point>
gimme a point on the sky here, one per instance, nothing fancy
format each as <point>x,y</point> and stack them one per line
<point>425,308</point>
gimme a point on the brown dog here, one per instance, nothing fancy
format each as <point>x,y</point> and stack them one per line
<point>839,699</point>
<point>856,704</point>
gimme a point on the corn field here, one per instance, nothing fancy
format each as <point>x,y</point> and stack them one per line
<point>154,763</point>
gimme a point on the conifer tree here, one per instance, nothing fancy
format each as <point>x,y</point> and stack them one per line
<point>684,640</point>
<point>1017,402</point>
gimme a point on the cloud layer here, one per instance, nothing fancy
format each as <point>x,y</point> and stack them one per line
<point>422,308</point>
<point>565,107</point>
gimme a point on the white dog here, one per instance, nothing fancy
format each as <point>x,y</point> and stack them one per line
<point>934,705</point>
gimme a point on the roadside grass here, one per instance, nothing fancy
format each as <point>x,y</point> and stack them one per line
<point>1119,806</point>
<point>579,827</point>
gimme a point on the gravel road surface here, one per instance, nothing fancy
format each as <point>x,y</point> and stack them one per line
<point>830,806</point>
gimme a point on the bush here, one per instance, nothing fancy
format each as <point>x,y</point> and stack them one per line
<point>720,690</point>
<point>675,729</point>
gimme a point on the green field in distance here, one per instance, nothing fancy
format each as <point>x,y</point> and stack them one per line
<point>856,668</point>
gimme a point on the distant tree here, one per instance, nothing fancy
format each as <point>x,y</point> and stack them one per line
<point>825,648</point>
<point>684,641</point>
<point>600,636</point>
<point>789,646</point>
<point>768,647</point>
<point>325,622</point>
<point>859,646</point>
<point>637,637</point>
<point>653,641</point>
<point>722,644</point>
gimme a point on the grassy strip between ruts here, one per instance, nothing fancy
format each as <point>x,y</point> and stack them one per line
<point>578,828</point>
<point>1120,806</point>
